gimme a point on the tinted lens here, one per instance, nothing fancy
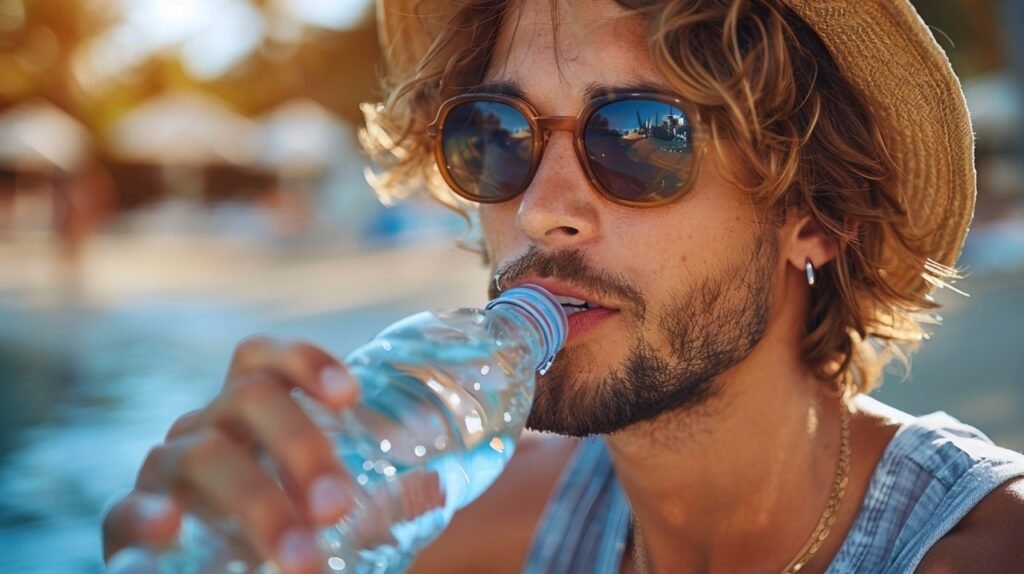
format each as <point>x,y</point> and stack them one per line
<point>488,149</point>
<point>640,150</point>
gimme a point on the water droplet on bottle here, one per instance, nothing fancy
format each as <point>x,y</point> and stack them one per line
<point>385,345</point>
<point>476,386</point>
<point>440,442</point>
<point>336,564</point>
<point>362,479</point>
<point>543,370</point>
<point>507,416</point>
<point>419,450</point>
<point>368,465</point>
<point>474,423</point>
<point>485,369</point>
<point>385,445</point>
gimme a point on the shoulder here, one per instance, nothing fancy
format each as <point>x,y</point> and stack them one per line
<point>990,538</point>
<point>494,533</point>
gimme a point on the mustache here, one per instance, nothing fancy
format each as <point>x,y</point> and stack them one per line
<point>570,266</point>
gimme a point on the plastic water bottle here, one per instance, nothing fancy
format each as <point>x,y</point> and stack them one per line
<point>444,398</point>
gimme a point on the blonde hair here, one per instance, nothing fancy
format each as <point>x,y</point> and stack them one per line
<point>808,141</point>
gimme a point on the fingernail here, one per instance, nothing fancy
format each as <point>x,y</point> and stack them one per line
<point>152,506</point>
<point>336,383</point>
<point>297,550</point>
<point>329,498</point>
<point>132,561</point>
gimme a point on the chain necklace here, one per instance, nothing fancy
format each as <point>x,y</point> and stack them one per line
<point>825,523</point>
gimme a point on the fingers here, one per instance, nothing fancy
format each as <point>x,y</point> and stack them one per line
<point>221,477</point>
<point>301,452</point>
<point>143,519</point>
<point>207,462</point>
<point>299,365</point>
<point>183,424</point>
<point>304,365</point>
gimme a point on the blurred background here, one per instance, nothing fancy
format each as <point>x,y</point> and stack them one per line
<point>178,174</point>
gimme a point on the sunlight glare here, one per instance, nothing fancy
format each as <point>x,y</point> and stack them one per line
<point>334,14</point>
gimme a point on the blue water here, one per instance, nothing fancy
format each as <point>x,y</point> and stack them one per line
<point>441,410</point>
<point>430,494</point>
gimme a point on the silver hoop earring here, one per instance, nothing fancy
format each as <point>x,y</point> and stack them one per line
<point>809,268</point>
<point>497,281</point>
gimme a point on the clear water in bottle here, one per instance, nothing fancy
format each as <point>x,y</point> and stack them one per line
<point>444,398</point>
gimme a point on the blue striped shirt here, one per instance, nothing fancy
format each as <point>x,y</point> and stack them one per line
<point>932,473</point>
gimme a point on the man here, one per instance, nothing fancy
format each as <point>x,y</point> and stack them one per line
<point>754,199</point>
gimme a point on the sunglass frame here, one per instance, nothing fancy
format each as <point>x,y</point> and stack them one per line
<point>541,128</point>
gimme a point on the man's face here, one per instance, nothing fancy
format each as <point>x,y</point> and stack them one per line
<point>689,282</point>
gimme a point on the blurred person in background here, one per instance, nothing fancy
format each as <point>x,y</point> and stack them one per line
<point>754,200</point>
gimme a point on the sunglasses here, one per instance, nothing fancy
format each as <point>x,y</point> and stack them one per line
<point>638,149</point>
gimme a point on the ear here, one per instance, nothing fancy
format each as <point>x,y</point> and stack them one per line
<point>803,239</point>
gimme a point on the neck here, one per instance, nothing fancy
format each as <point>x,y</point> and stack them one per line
<point>740,483</point>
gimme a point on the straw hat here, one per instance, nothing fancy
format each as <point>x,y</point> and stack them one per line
<point>885,49</point>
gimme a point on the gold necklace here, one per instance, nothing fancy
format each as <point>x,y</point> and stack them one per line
<point>825,523</point>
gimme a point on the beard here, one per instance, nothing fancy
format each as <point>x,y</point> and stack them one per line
<point>709,326</point>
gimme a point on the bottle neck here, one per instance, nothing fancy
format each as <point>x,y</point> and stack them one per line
<point>535,307</point>
<point>513,325</point>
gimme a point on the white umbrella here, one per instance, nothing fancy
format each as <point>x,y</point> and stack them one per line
<point>185,128</point>
<point>38,135</point>
<point>302,137</point>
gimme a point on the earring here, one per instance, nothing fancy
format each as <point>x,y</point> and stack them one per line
<point>809,268</point>
<point>497,281</point>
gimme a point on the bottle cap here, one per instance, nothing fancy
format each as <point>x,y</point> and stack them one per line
<point>542,307</point>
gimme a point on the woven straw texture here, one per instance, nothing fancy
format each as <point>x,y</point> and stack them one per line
<point>888,52</point>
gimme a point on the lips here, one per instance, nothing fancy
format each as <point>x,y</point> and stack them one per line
<point>583,310</point>
<point>571,297</point>
<point>582,315</point>
<point>581,322</point>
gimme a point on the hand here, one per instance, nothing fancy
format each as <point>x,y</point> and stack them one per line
<point>209,463</point>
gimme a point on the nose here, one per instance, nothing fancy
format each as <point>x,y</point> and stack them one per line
<point>559,209</point>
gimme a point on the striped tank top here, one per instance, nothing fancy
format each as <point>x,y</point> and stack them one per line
<point>932,473</point>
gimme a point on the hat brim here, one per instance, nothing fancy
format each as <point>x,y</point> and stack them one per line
<point>888,53</point>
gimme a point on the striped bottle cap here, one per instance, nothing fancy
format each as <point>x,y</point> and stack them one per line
<point>545,310</point>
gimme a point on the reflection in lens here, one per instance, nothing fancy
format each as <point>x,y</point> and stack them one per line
<point>488,149</point>
<point>640,150</point>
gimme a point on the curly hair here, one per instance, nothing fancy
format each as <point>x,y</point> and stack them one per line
<point>761,79</point>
